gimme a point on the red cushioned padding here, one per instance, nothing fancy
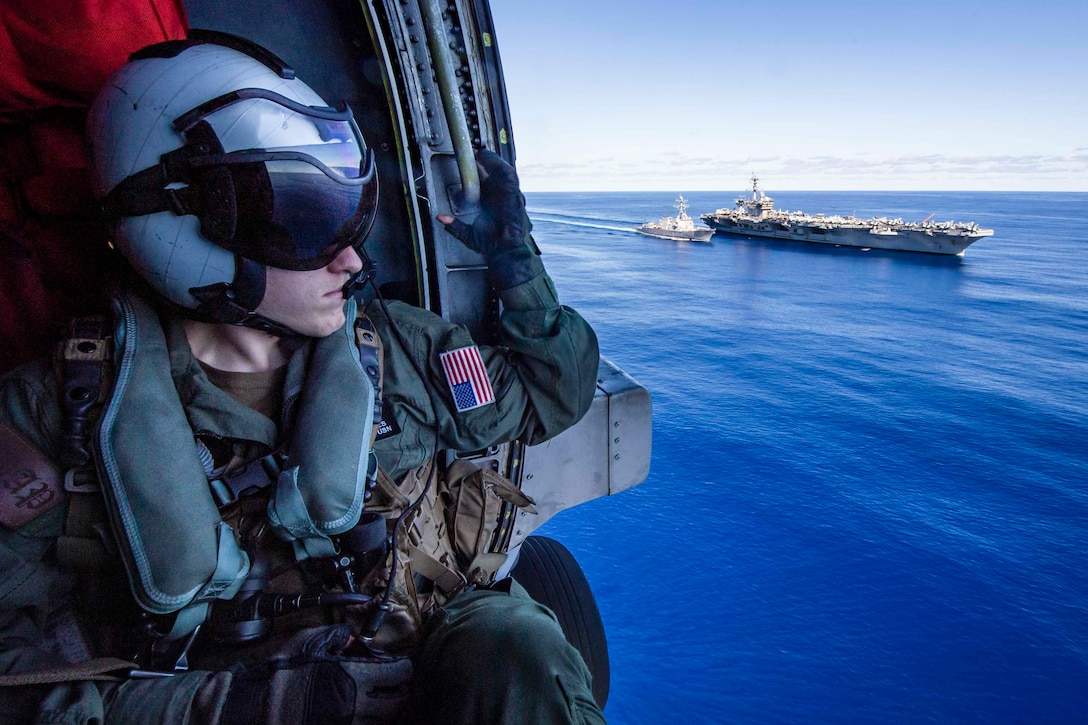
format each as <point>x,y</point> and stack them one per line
<point>54,56</point>
<point>59,52</point>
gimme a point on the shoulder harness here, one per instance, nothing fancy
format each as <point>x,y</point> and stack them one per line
<point>319,493</point>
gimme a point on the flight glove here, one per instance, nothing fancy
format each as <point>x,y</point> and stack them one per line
<point>500,231</point>
<point>318,687</point>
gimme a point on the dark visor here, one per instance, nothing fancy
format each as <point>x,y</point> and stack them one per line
<point>288,185</point>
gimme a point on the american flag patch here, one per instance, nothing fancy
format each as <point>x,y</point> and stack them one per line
<point>467,376</point>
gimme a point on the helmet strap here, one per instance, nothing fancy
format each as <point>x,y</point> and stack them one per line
<point>235,303</point>
<point>364,275</point>
<point>249,282</point>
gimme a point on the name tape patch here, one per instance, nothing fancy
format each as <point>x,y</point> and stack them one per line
<point>387,428</point>
<point>467,378</point>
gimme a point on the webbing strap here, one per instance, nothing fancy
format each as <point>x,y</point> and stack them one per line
<point>81,549</point>
<point>445,578</point>
<point>187,621</point>
<point>372,358</point>
<point>96,669</point>
<point>394,499</point>
<point>84,362</point>
<point>80,553</point>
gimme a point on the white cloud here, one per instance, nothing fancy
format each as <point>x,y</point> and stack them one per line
<point>672,169</point>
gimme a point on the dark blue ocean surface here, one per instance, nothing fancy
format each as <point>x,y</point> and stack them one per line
<point>869,494</point>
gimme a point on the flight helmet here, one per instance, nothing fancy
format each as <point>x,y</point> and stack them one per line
<point>213,162</point>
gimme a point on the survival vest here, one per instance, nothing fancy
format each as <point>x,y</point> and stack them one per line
<point>319,493</point>
<point>452,538</point>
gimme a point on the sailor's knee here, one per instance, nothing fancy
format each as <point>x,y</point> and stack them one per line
<point>494,654</point>
<point>495,623</point>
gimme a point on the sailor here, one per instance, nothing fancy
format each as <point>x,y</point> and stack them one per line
<point>220,504</point>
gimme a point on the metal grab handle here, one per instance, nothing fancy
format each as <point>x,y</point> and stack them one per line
<point>451,100</point>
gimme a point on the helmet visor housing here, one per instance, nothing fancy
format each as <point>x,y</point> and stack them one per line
<point>281,183</point>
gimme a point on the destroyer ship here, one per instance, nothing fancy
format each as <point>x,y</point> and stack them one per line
<point>681,226</point>
<point>755,216</point>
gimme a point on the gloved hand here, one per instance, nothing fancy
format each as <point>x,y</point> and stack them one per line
<point>317,687</point>
<point>501,230</point>
<point>502,223</point>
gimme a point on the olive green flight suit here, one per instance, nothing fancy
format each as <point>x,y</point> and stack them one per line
<point>476,661</point>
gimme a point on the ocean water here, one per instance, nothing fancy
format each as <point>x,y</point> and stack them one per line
<point>868,500</point>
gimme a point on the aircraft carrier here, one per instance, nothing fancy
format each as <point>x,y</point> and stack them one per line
<point>755,216</point>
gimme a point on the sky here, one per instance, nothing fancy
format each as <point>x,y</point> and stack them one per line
<point>694,95</point>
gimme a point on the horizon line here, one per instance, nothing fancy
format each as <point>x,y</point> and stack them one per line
<point>778,189</point>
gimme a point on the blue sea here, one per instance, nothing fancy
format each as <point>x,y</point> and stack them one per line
<point>868,500</point>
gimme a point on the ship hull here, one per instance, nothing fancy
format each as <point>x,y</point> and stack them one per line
<point>697,235</point>
<point>904,240</point>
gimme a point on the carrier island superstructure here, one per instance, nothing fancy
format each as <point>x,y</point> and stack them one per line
<point>755,216</point>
